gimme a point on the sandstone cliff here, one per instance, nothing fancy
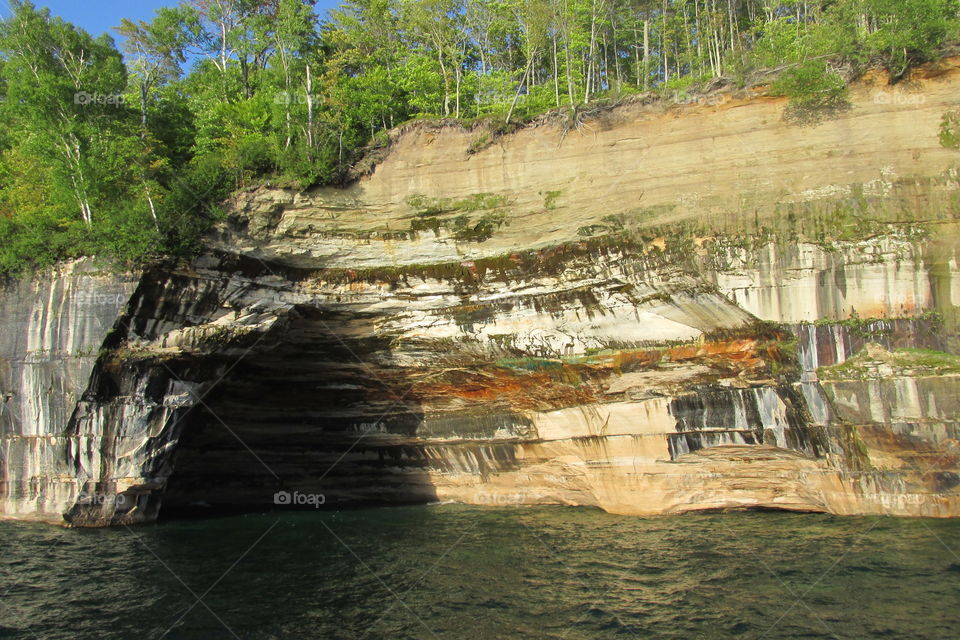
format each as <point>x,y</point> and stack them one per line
<point>669,308</point>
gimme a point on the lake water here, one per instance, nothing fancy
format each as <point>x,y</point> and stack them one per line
<point>459,573</point>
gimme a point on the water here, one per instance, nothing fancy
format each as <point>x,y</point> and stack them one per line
<point>472,573</point>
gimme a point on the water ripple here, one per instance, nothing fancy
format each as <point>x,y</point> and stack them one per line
<point>468,573</point>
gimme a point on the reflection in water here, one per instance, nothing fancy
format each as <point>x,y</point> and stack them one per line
<point>469,573</point>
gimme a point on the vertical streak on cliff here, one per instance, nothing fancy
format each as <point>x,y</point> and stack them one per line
<point>53,327</point>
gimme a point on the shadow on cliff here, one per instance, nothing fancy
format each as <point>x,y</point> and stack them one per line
<point>314,417</point>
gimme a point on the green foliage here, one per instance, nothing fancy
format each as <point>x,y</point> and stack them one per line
<point>679,83</point>
<point>778,40</point>
<point>870,363</point>
<point>480,143</point>
<point>188,208</point>
<point>135,168</point>
<point>436,213</point>
<point>811,84</point>
<point>427,207</point>
<point>550,200</point>
<point>71,154</point>
<point>950,130</point>
<point>906,32</point>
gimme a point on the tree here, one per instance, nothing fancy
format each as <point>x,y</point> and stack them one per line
<point>155,51</point>
<point>436,27</point>
<point>63,90</point>
<point>276,93</point>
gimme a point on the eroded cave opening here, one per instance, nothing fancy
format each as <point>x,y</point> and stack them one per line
<point>318,412</point>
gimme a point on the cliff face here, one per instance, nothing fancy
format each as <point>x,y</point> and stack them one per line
<point>53,329</point>
<point>663,309</point>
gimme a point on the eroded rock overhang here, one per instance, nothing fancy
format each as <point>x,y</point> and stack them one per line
<point>638,316</point>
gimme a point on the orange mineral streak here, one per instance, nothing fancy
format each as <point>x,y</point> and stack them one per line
<point>557,384</point>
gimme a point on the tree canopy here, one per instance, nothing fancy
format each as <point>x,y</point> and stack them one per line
<point>126,152</point>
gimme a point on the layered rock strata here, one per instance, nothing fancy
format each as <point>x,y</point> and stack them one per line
<point>670,309</point>
<point>52,328</point>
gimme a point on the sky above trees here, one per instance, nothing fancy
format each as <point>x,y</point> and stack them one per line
<point>101,16</point>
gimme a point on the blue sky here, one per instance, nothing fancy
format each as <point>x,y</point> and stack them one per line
<point>98,16</point>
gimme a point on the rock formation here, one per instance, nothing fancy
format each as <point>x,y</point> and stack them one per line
<point>668,308</point>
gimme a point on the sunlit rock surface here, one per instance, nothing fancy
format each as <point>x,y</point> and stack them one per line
<point>51,330</point>
<point>650,315</point>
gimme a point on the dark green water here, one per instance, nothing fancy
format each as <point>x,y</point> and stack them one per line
<point>463,573</point>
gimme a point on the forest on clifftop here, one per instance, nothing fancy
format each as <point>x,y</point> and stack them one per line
<point>124,151</point>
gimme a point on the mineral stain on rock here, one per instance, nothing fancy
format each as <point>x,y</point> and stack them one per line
<point>676,326</point>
